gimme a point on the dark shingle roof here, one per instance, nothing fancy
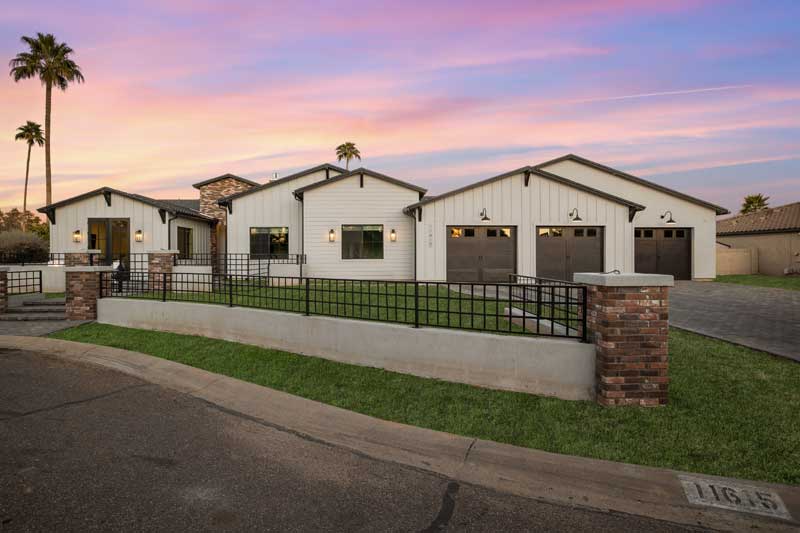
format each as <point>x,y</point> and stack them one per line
<point>188,204</point>
<point>223,177</point>
<point>781,219</point>
<point>365,171</point>
<point>290,177</point>
<point>166,205</point>
<point>635,179</point>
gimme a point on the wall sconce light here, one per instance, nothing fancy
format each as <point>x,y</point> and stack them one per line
<point>76,236</point>
<point>484,216</point>
<point>138,236</point>
<point>332,236</point>
<point>669,220</point>
<point>393,236</point>
<point>575,216</point>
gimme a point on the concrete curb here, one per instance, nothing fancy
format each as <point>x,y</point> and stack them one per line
<point>576,481</point>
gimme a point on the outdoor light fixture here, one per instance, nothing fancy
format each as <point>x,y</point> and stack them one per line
<point>574,215</point>
<point>331,236</point>
<point>393,236</point>
<point>484,216</point>
<point>669,220</point>
<point>139,236</point>
<point>76,236</point>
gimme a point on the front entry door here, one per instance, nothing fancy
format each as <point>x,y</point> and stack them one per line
<point>112,237</point>
<point>481,253</point>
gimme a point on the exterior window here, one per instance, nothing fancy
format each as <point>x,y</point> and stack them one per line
<point>579,232</point>
<point>680,234</point>
<point>591,232</point>
<point>667,233</point>
<point>648,234</point>
<point>455,233</point>
<point>491,233</point>
<point>637,233</point>
<point>505,232</point>
<point>363,241</point>
<point>550,232</point>
<point>266,242</point>
<point>469,232</point>
<point>185,248</point>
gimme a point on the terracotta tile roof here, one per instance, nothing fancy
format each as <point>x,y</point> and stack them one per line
<point>772,220</point>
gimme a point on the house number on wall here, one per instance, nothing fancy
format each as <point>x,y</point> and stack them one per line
<point>744,498</point>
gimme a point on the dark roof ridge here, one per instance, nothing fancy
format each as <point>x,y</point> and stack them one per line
<point>298,193</point>
<point>278,181</point>
<point>227,175</point>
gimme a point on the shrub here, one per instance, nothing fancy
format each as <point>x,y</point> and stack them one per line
<point>19,247</point>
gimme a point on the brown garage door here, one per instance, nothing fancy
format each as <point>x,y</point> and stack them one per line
<point>563,250</point>
<point>664,251</point>
<point>480,253</point>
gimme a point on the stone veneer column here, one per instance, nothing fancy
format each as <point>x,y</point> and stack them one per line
<point>82,258</point>
<point>160,262</point>
<point>628,321</point>
<point>3,289</point>
<point>83,290</point>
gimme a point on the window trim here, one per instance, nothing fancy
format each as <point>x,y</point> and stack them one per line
<point>191,240</point>
<point>269,233</point>
<point>383,243</point>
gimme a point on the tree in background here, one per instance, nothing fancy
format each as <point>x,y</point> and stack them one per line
<point>31,133</point>
<point>347,151</point>
<point>48,60</point>
<point>753,203</point>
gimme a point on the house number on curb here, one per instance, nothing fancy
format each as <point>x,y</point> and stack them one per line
<point>744,498</point>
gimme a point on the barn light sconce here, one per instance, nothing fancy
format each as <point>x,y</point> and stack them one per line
<point>138,236</point>
<point>332,236</point>
<point>76,236</point>
<point>574,216</point>
<point>393,235</point>
<point>669,220</point>
<point>484,216</point>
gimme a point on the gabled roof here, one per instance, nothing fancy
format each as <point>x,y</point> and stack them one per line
<point>290,177</point>
<point>359,171</point>
<point>635,179</point>
<point>785,218</point>
<point>187,204</point>
<point>166,205</point>
<point>633,206</point>
<point>224,177</point>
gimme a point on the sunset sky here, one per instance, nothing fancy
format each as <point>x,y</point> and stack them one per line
<point>700,96</point>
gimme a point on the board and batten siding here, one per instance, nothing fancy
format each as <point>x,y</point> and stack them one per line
<point>201,234</point>
<point>509,203</point>
<point>702,220</point>
<point>274,206</point>
<point>141,216</point>
<point>345,202</point>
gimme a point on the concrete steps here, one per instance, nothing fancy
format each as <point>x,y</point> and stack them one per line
<point>36,310</point>
<point>49,302</point>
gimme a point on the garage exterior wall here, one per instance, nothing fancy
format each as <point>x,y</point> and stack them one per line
<point>509,203</point>
<point>775,251</point>
<point>75,216</point>
<point>702,220</point>
<point>345,202</point>
<point>271,207</point>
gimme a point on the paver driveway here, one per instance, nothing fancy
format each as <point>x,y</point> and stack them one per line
<point>758,317</point>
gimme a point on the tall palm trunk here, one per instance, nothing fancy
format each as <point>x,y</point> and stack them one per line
<point>25,194</point>
<point>347,163</point>
<point>48,183</point>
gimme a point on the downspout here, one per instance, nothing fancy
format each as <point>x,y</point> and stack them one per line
<point>169,231</point>
<point>413,214</point>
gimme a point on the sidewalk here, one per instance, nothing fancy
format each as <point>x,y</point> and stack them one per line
<point>651,492</point>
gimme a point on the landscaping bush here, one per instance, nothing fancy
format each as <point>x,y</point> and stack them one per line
<point>19,247</point>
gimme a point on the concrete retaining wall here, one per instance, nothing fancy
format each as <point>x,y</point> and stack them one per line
<point>551,367</point>
<point>52,275</point>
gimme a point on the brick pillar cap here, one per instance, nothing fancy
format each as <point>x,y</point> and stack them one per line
<point>164,252</point>
<point>624,280</point>
<point>87,268</point>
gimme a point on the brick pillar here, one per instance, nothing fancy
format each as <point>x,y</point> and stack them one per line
<point>83,290</point>
<point>3,289</point>
<point>160,262</point>
<point>628,321</point>
<point>82,258</point>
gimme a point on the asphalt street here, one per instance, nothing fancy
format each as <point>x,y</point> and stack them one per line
<point>84,448</point>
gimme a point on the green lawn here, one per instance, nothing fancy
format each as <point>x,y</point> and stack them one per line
<point>778,282</point>
<point>54,295</point>
<point>478,307</point>
<point>732,412</point>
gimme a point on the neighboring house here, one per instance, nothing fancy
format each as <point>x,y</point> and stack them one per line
<point>773,232</point>
<point>119,223</point>
<point>550,220</point>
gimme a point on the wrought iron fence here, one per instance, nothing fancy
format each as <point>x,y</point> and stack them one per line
<point>489,307</point>
<point>24,282</point>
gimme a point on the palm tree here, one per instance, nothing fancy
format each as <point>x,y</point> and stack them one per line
<point>753,203</point>
<point>49,60</point>
<point>31,133</point>
<point>347,151</point>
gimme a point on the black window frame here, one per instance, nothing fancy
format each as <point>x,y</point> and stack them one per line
<point>268,250</point>
<point>345,247</point>
<point>180,233</point>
